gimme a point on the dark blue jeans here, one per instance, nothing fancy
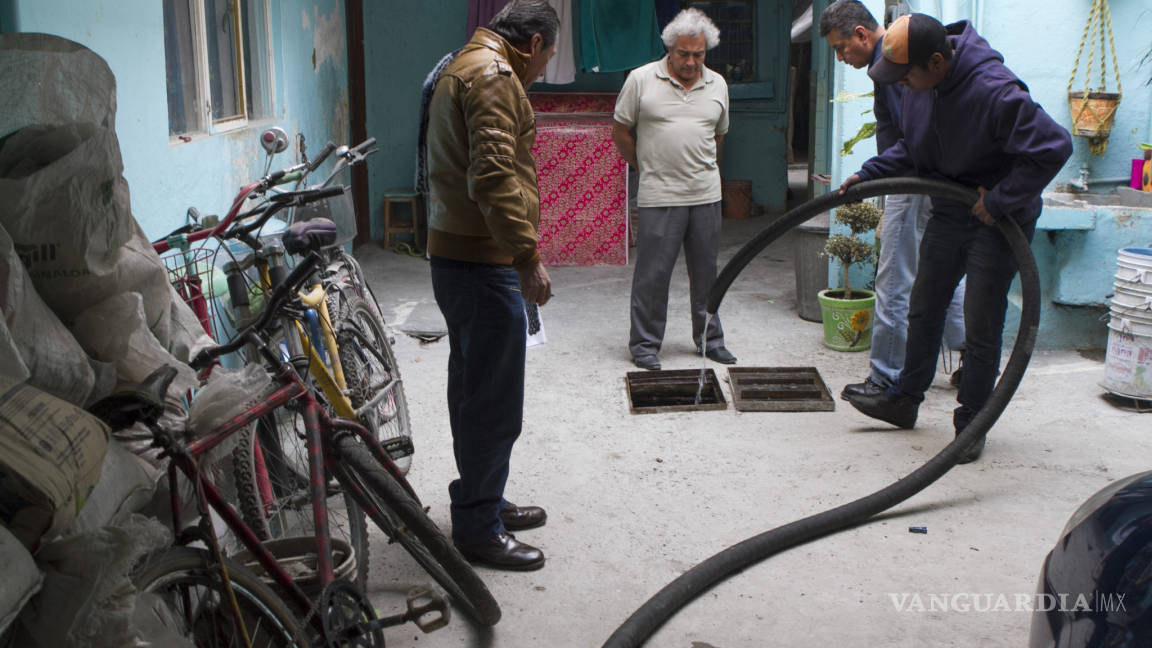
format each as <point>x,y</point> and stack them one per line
<point>956,245</point>
<point>484,310</point>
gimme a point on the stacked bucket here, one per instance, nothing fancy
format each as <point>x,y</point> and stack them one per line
<point>1128,366</point>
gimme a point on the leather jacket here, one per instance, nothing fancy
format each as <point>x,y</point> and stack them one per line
<point>484,203</point>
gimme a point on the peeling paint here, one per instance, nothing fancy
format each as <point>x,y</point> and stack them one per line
<point>328,38</point>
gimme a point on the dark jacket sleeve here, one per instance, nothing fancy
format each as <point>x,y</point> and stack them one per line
<point>887,133</point>
<point>492,110</point>
<point>1038,145</point>
<point>895,161</point>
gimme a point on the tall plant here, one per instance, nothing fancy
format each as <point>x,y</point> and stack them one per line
<point>850,249</point>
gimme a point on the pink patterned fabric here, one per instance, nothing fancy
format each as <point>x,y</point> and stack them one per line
<point>583,192</point>
<point>573,102</point>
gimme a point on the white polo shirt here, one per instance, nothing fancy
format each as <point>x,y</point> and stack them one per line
<point>676,133</point>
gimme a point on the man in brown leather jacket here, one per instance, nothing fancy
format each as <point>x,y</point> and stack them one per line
<point>484,213</point>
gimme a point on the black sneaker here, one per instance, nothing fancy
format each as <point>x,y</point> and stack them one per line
<point>897,410</point>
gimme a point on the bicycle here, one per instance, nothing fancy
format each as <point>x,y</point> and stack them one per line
<point>271,471</point>
<point>360,466</point>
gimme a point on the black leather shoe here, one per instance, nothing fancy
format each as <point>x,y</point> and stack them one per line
<point>866,388</point>
<point>973,452</point>
<point>897,410</point>
<point>503,551</point>
<point>721,355</point>
<point>649,362</point>
<point>518,518</point>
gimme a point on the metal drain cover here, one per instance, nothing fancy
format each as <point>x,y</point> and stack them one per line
<point>673,390</point>
<point>779,389</point>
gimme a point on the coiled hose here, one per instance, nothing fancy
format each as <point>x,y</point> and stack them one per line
<point>657,610</point>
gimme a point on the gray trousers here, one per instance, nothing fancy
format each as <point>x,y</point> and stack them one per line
<point>662,231</point>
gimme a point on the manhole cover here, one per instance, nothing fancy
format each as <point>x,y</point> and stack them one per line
<point>673,390</point>
<point>779,389</point>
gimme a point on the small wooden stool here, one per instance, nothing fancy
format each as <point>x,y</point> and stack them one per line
<point>411,226</point>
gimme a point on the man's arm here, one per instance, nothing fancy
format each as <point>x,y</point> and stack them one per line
<point>719,149</point>
<point>491,113</point>
<point>1038,145</point>
<point>625,143</point>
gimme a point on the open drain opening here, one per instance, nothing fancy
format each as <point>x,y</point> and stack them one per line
<point>674,390</point>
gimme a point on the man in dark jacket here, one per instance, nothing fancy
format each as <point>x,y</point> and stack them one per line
<point>969,120</point>
<point>482,242</point>
<point>856,37</point>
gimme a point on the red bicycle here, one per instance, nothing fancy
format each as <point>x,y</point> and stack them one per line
<point>205,595</point>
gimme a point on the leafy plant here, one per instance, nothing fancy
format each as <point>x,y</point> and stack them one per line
<point>850,249</point>
<point>868,129</point>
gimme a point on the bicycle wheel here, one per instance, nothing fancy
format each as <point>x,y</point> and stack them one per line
<point>288,513</point>
<point>402,519</point>
<point>181,589</point>
<point>371,373</point>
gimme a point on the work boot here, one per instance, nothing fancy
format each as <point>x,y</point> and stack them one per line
<point>649,361</point>
<point>866,388</point>
<point>898,410</point>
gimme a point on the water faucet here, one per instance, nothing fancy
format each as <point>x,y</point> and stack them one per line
<point>1081,184</point>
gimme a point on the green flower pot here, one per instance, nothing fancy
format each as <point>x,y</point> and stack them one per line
<point>847,322</point>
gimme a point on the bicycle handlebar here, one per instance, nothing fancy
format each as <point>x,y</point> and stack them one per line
<point>302,272</point>
<point>363,146</point>
<point>277,203</point>
<point>323,155</point>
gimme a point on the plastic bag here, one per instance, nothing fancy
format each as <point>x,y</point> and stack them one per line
<point>34,345</point>
<point>88,599</point>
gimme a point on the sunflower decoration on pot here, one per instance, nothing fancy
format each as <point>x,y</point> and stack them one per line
<point>847,313</point>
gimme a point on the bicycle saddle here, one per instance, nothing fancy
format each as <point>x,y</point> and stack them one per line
<point>309,236</point>
<point>145,402</point>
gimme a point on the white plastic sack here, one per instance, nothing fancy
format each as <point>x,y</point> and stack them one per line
<point>22,579</point>
<point>115,331</point>
<point>66,203</point>
<point>34,345</point>
<point>51,454</point>
<point>226,394</point>
<point>126,485</point>
<point>88,599</point>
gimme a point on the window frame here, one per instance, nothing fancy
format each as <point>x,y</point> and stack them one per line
<point>201,124</point>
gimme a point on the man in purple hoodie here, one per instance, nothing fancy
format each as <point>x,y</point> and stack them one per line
<point>969,120</point>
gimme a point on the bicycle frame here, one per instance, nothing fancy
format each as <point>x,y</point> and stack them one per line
<point>318,430</point>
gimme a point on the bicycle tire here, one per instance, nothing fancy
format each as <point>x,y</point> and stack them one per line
<point>367,358</point>
<point>290,512</point>
<point>176,574</point>
<point>403,520</point>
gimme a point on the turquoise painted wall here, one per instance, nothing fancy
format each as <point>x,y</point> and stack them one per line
<point>406,39</point>
<point>403,41</point>
<point>310,78</point>
<point>1075,248</point>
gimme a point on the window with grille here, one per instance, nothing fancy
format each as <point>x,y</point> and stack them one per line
<point>735,56</point>
<point>217,62</point>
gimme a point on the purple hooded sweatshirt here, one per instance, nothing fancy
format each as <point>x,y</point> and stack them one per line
<point>977,127</point>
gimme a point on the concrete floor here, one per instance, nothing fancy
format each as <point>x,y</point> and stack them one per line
<point>635,500</point>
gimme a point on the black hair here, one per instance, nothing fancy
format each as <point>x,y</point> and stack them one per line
<point>520,20</point>
<point>844,16</point>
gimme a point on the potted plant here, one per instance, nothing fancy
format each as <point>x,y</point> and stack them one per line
<point>847,313</point>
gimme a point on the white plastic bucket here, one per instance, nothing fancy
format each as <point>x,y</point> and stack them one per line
<point>1135,265</point>
<point>1128,364</point>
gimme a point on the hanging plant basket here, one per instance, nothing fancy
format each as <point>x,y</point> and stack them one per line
<point>1093,114</point>
<point>1093,109</point>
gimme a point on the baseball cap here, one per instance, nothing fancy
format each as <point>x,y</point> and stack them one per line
<point>910,39</point>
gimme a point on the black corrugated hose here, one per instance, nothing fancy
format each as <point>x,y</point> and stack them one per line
<point>645,621</point>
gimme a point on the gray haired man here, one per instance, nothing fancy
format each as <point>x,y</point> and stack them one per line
<point>671,117</point>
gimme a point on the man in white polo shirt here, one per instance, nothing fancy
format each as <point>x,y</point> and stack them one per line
<point>671,117</point>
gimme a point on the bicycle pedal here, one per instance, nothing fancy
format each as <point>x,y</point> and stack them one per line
<point>398,447</point>
<point>427,610</point>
